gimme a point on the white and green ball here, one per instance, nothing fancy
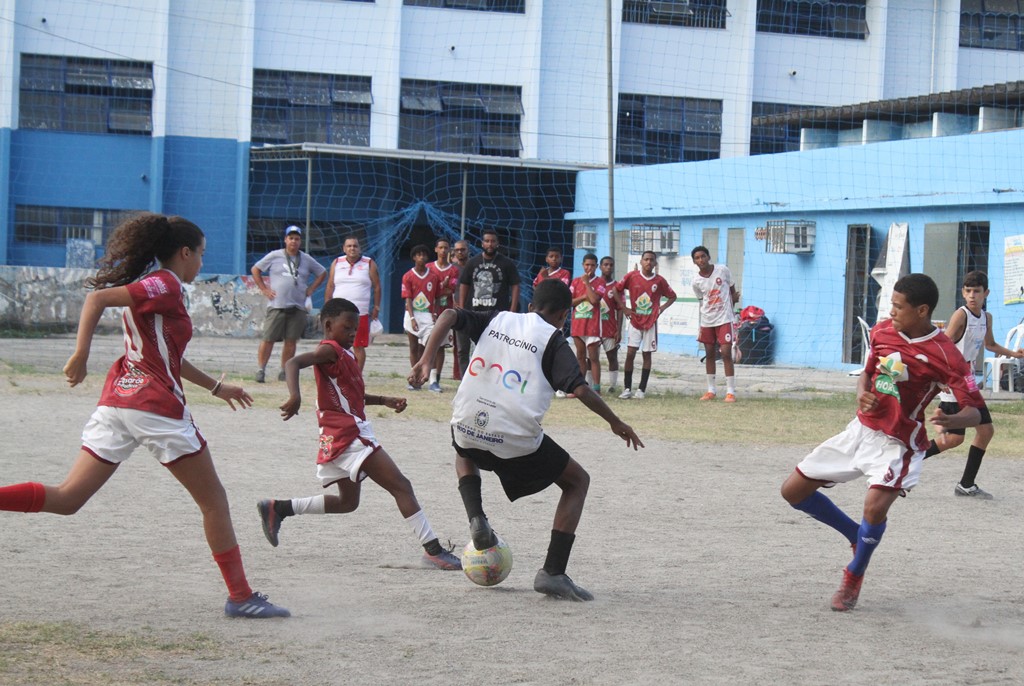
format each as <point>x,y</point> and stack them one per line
<point>487,567</point>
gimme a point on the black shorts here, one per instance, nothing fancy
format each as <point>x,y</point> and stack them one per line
<point>523,475</point>
<point>953,408</point>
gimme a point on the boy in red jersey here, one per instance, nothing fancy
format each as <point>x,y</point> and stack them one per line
<point>143,401</point>
<point>349,452</point>
<point>554,268</point>
<point>587,291</point>
<point>909,359</point>
<point>420,289</point>
<point>611,321</point>
<point>448,275</point>
<point>646,290</point>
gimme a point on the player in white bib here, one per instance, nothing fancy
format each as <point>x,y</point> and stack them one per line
<point>970,328</point>
<point>519,360</point>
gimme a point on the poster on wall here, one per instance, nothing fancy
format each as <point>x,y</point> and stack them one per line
<point>1013,270</point>
<point>682,318</point>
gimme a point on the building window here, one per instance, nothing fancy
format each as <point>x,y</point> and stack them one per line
<point>585,237</point>
<point>992,24</point>
<point>703,14</point>
<point>301,107</point>
<point>654,129</point>
<point>768,137</point>
<point>513,6</point>
<point>826,18</point>
<point>56,225</point>
<point>660,238</point>
<point>465,118</point>
<point>84,95</point>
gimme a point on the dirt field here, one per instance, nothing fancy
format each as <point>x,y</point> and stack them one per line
<point>702,573</point>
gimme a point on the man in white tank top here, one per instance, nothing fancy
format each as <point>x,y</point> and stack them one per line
<point>970,327</point>
<point>355,278</point>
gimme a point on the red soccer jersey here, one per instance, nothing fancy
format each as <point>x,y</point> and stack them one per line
<point>609,311</point>
<point>645,294</point>
<point>586,317</point>
<point>562,274</point>
<point>340,398</point>
<point>448,277</point>
<point>157,329</point>
<point>906,374</point>
<point>422,288</point>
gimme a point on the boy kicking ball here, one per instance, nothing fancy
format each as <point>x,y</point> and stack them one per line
<point>519,360</point>
<point>349,452</point>
<point>907,360</point>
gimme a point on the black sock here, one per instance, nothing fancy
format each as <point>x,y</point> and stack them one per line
<point>433,547</point>
<point>283,508</point>
<point>933,449</point>
<point>645,374</point>
<point>558,552</point>
<point>974,456</point>
<point>629,379</point>
<point>469,489</point>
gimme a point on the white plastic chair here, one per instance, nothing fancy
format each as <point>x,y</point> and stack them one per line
<point>994,364</point>
<point>865,343</point>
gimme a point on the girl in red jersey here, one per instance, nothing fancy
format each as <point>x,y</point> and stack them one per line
<point>143,402</point>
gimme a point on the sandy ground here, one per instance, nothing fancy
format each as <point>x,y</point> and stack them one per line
<point>702,573</point>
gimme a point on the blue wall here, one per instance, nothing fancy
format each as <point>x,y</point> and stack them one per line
<point>205,180</point>
<point>919,181</point>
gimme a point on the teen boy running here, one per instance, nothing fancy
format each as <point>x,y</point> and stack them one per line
<point>907,361</point>
<point>349,452</point>
<point>496,419</point>
<point>969,328</point>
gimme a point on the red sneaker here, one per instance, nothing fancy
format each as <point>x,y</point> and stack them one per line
<point>846,597</point>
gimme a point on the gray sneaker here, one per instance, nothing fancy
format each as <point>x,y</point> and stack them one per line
<point>973,492</point>
<point>281,375</point>
<point>261,376</point>
<point>559,586</point>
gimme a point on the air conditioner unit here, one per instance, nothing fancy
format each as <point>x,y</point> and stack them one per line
<point>585,237</point>
<point>669,7</point>
<point>792,236</point>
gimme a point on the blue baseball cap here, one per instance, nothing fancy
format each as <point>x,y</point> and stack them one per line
<point>292,229</point>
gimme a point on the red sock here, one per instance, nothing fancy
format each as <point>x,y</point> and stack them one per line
<point>230,563</point>
<point>26,497</point>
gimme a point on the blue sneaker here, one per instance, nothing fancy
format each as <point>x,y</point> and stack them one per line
<point>271,520</point>
<point>434,388</point>
<point>255,606</point>
<point>445,560</point>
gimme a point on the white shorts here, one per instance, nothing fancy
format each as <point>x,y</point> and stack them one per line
<point>646,341</point>
<point>424,323</point>
<point>347,465</point>
<point>587,341</point>
<point>860,451</point>
<point>113,433</point>
<point>609,344</point>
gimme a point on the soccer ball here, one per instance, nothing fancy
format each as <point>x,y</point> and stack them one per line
<point>487,567</point>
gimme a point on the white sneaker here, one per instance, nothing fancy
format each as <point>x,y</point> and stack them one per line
<point>626,394</point>
<point>639,395</point>
<point>972,492</point>
<point>559,394</point>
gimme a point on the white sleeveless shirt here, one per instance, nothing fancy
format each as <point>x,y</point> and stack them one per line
<point>970,343</point>
<point>352,282</point>
<point>504,394</point>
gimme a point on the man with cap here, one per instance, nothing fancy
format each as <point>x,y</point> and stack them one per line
<point>289,270</point>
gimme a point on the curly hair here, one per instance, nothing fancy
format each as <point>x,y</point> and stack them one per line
<point>138,242</point>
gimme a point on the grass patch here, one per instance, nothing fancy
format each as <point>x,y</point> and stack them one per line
<point>68,653</point>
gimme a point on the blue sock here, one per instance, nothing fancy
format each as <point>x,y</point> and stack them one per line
<point>868,538</point>
<point>821,507</point>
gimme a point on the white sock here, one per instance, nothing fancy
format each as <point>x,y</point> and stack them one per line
<point>421,527</point>
<point>613,380</point>
<point>433,376</point>
<point>730,384</point>
<point>312,505</point>
<point>711,383</point>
